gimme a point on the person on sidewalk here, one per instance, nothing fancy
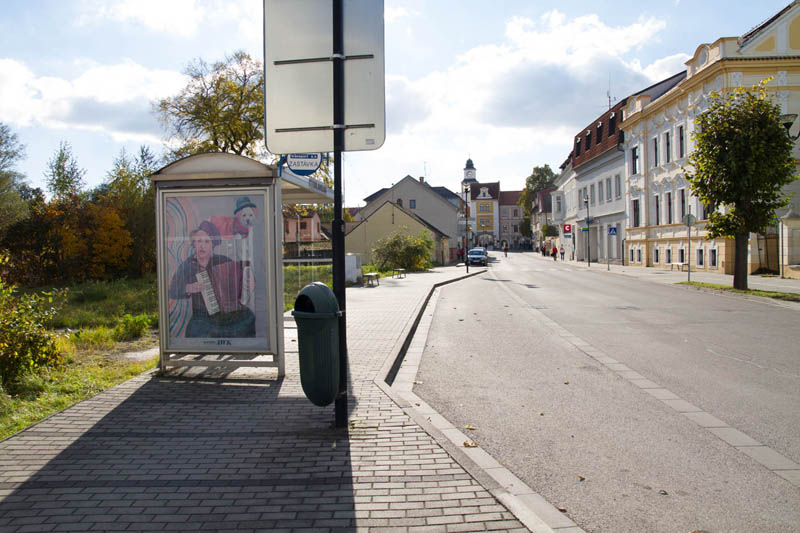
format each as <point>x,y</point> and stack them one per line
<point>555,253</point>
<point>561,251</point>
<point>505,249</point>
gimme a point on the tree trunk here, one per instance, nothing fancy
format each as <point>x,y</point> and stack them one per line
<point>740,262</point>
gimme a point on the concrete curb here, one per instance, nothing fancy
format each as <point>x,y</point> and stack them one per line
<point>529,507</point>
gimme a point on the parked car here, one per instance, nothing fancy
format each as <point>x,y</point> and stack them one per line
<point>478,256</point>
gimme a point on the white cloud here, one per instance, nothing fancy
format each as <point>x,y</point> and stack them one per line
<point>391,14</point>
<point>181,17</point>
<point>112,99</point>
<point>662,68</point>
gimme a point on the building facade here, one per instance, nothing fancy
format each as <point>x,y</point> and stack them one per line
<point>658,141</point>
<point>511,216</point>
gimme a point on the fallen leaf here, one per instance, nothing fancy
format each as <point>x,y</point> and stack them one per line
<point>581,478</point>
<point>566,383</point>
<point>663,492</point>
<point>417,404</point>
<point>469,426</point>
<point>470,444</point>
<point>418,382</point>
<point>562,509</point>
<point>541,414</point>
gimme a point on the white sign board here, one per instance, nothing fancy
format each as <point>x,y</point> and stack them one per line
<point>298,75</point>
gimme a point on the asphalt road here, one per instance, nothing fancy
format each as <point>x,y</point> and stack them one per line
<point>588,440</point>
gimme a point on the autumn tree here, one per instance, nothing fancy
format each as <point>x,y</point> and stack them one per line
<point>742,159</point>
<point>221,109</point>
<point>64,176</point>
<point>12,207</point>
<point>540,179</point>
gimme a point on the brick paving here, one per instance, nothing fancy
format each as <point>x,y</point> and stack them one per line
<point>249,452</point>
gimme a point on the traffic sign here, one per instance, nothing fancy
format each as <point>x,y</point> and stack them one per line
<point>612,230</point>
<point>298,75</point>
<point>689,220</point>
<point>303,164</point>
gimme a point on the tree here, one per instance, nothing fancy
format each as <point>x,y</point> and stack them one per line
<point>742,159</point>
<point>64,176</point>
<point>403,250</point>
<point>525,227</point>
<point>12,207</point>
<point>540,179</point>
<point>221,109</point>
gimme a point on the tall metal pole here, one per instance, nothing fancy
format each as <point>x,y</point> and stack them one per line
<point>340,406</point>
<point>588,232</point>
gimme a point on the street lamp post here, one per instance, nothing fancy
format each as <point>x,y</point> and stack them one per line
<point>466,226</point>
<point>588,232</point>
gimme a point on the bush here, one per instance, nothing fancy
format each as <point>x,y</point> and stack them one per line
<point>25,344</point>
<point>404,251</point>
<point>131,327</point>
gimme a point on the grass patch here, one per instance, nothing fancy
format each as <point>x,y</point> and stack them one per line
<point>295,278</point>
<point>37,396</point>
<point>786,296</point>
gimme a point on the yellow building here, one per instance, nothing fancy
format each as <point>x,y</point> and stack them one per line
<point>385,221</point>
<point>658,141</point>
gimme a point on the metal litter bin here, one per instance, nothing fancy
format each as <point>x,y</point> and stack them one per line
<point>316,312</point>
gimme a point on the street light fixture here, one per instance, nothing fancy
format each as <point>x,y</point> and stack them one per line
<point>588,225</point>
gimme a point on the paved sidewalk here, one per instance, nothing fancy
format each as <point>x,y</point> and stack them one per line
<point>251,452</point>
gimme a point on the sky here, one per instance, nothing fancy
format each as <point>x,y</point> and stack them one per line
<point>507,83</point>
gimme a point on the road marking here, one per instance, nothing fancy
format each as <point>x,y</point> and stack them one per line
<point>766,456</point>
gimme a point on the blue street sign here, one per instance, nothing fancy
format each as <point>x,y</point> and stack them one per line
<point>612,230</point>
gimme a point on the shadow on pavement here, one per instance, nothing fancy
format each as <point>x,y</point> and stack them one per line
<point>184,454</point>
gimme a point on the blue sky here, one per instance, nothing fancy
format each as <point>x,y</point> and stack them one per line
<point>507,83</point>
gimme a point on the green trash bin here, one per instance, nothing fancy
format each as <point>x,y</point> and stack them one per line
<point>316,312</point>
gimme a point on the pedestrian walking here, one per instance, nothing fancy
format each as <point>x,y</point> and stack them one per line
<point>561,251</point>
<point>505,249</point>
<point>555,253</point>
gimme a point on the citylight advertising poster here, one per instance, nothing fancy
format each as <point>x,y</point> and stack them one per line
<point>216,277</point>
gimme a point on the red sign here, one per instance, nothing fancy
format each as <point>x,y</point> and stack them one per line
<point>567,228</point>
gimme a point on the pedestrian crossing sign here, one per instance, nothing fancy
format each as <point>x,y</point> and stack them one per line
<point>612,230</point>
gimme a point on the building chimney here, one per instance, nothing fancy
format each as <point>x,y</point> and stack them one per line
<point>422,179</point>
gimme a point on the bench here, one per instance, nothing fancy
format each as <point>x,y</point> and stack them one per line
<point>401,272</point>
<point>679,265</point>
<point>372,278</point>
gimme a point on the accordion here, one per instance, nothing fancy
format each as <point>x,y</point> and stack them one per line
<point>222,287</point>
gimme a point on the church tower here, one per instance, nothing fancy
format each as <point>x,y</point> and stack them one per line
<point>469,175</point>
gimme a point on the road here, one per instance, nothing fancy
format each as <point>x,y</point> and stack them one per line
<point>518,353</point>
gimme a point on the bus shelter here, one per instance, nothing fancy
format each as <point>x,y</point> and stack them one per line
<point>219,232</point>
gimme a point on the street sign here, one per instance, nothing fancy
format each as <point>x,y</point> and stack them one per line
<point>303,164</point>
<point>689,220</point>
<point>584,229</point>
<point>612,230</point>
<point>567,228</point>
<point>298,75</point>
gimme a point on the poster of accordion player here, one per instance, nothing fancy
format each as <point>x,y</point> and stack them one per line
<point>216,267</point>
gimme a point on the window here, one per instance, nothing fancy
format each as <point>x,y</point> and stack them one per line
<point>669,208</point>
<point>657,209</point>
<point>635,210</point>
<point>682,196</point>
<point>516,211</point>
<point>667,148</point>
<point>638,255</point>
<point>617,186</point>
<point>655,152</point>
<point>286,227</point>
<point>516,228</point>
<point>412,204</point>
<point>713,258</point>
<point>608,189</point>
<point>588,140</point>
<point>577,147</point>
<point>558,205</point>
<point>591,194</point>
<point>505,212</point>
<point>635,160</point>
<point>400,202</point>
<point>505,228</point>
<point>669,256</point>
<point>681,148</point>
<point>655,255</point>
<point>612,124</point>
<point>705,210</point>
<point>302,225</point>
<point>600,194</point>
<point>700,257</point>
<point>599,132</point>
<point>681,255</point>
<point>631,255</point>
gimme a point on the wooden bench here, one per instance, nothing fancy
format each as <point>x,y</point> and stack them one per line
<point>679,265</point>
<point>401,272</point>
<point>372,278</point>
